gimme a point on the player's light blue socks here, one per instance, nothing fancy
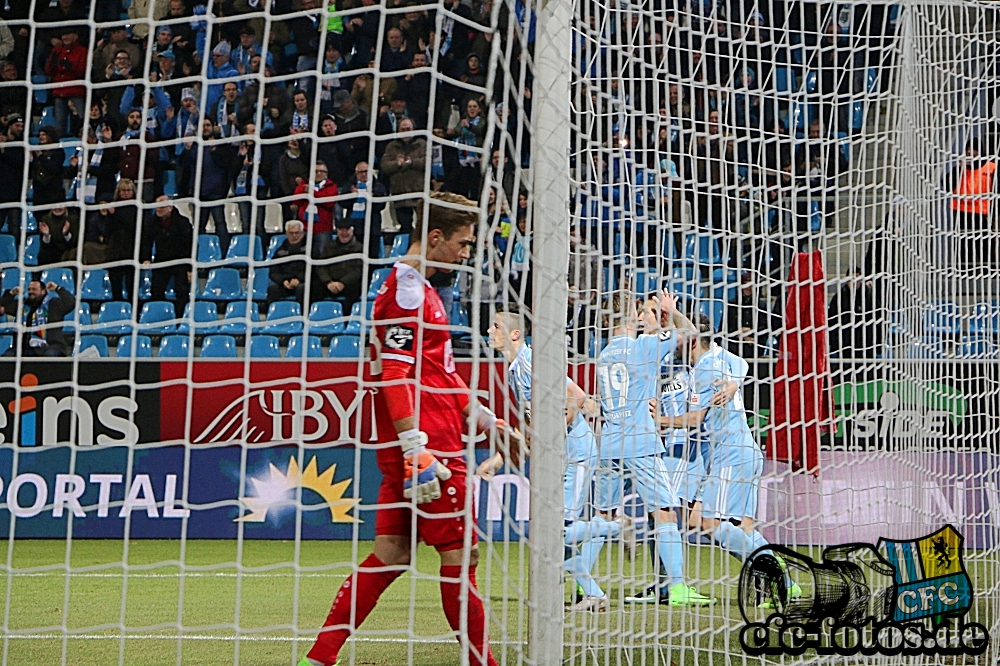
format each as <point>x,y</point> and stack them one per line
<point>733,540</point>
<point>668,543</point>
<point>580,531</point>
<point>580,567</point>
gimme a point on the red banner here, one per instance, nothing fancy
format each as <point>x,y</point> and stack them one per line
<point>270,402</point>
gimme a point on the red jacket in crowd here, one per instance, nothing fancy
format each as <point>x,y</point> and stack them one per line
<point>68,63</point>
<point>322,211</point>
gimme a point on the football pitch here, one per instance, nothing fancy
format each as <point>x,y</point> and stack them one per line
<point>278,618</point>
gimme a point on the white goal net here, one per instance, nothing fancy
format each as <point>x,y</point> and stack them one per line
<point>211,213</point>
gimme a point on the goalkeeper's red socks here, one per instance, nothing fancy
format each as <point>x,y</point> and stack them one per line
<point>368,587</point>
<point>451,590</point>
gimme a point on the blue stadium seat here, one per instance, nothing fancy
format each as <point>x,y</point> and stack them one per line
<point>378,277</point>
<point>400,244</point>
<point>205,318</point>
<point>941,318</point>
<point>41,94</point>
<point>114,318</point>
<point>261,279</point>
<point>95,286</point>
<point>264,346</point>
<point>714,309</point>
<point>11,278</point>
<point>62,277</point>
<point>844,143</point>
<point>857,116</point>
<point>170,183</point>
<point>32,223</point>
<point>273,246</point>
<point>784,80</point>
<point>326,318</point>
<point>219,346</point>
<point>153,318</point>
<point>234,322</point>
<point>97,341</point>
<point>815,217</point>
<point>669,249</point>
<point>32,246</point>
<point>223,284</point>
<point>239,248</point>
<point>703,249</point>
<point>645,283</point>
<point>353,326</point>
<point>985,319</point>
<point>208,249</point>
<point>314,348</point>
<point>8,249</point>
<point>6,342</point>
<point>283,318</point>
<point>684,288</point>
<point>49,118</point>
<point>812,81</point>
<point>143,347</point>
<point>459,315</point>
<point>797,112</point>
<point>927,347</point>
<point>345,346</point>
<point>871,80</point>
<point>82,317</point>
<point>174,346</point>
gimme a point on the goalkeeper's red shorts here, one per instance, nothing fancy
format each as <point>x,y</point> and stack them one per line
<point>444,529</point>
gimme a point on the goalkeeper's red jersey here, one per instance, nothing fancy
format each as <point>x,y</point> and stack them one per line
<point>412,339</point>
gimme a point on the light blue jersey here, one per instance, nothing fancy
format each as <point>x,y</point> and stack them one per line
<point>727,425</point>
<point>675,393</point>
<point>581,445</point>
<point>628,374</point>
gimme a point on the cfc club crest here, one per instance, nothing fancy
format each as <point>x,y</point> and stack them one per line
<point>893,598</point>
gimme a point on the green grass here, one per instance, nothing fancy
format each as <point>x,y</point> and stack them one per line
<point>272,607</point>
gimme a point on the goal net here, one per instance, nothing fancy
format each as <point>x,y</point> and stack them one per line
<point>201,203</point>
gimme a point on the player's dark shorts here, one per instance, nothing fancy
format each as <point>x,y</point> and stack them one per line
<point>444,528</point>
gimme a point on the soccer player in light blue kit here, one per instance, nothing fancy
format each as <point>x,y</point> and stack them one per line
<point>682,455</point>
<point>585,538</point>
<point>729,505</point>
<point>628,373</point>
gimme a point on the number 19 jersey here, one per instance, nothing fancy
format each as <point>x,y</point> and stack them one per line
<point>628,374</point>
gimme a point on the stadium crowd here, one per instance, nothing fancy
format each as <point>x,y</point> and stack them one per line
<point>317,119</point>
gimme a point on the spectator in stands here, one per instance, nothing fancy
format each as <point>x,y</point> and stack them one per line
<point>302,116</point>
<point>367,231</point>
<point>503,174</point>
<point>95,232</point>
<point>288,276</point>
<point>216,162</point>
<point>171,233</point>
<point>519,266</point>
<point>750,320</point>
<point>338,272</point>
<point>851,319</point>
<point>219,68</point>
<point>182,124</point>
<point>293,169</point>
<point>415,87</point>
<point>44,307</point>
<point>17,12</point>
<point>404,162</point>
<point>388,122</point>
<point>164,40</point>
<point>58,229</point>
<point>103,160</point>
<point>132,154</point>
<point>163,71</point>
<point>245,167</point>
<point>47,170</point>
<point>351,119</point>
<point>361,33</point>
<point>12,166</point>
<point>106,52</point>
<point>224,114</point>
<point>316,214</point>
<point>465,178</point>
<point>67,63</point>
<point>974,183</point>
<point>305,33</point>
<point>248,47</point>
<point>332,81</point>
<point>583,277</point>
<point>183,35</point>
<point>395,55</point>
<point>326,150</point>
<point>118,233</point>
<point>13,92</point>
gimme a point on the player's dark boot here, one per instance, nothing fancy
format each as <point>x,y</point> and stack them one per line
<point>651,595</point>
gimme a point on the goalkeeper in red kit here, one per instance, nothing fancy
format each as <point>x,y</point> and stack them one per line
<point>422,412</point>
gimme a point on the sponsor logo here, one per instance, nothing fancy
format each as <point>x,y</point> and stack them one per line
<point>399,337</point>
<point>273,491</point>
<point>115,413</point>
<point>890,421</point>
<point>896,598</point>
<point>67,489</point>
<point>292,415</point>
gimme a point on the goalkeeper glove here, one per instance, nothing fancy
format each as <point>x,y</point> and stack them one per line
<point>422,472</point>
